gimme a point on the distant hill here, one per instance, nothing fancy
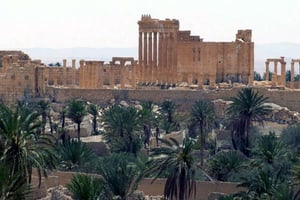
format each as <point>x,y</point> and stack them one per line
<point>262,52</point>
<point>48,55</point>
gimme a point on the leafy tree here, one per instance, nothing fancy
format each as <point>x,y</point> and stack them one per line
<point>291,137</point>
<point>120,174</point>
<point>178,161</point>
<point>288,76</point>
<point>270,76</point>
<point>122,129</point>
<point>225,165</point>
<point>24,148</point>
<point>76,111</point>
<point>257,76</point>
<point>246,107</point>
<point>93,110</point>
<point>202,114</point>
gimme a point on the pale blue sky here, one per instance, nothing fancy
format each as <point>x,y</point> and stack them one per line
<point>113,23</point>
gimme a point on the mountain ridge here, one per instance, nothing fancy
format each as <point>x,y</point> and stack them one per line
<point>53,55</point>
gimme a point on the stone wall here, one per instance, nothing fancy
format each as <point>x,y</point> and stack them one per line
<point>203,188</point>
<point>183,98</point>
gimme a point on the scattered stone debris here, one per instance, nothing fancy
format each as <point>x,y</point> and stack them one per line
<point>57,193</point>
<point>281,115</point>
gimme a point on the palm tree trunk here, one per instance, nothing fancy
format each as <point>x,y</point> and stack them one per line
<point>43,122</point>
<point>94,125</point>
<point>233,140</point>
<point>247,129</point>
<point>202,141</point>
<point>63,120</point>
<point>50,123</point>
<point>78,131</point>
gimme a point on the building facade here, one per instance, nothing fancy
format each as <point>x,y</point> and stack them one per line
<point>169,55</point>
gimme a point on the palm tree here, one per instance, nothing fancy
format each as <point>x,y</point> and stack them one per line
<point>120,174</point>
<point>93,110</point>
<point>86,187</point>
<point>76,111</point>
<point>12,187</point>
<point>74,154</point>
<point>226,164</point>
<point>202,114</point>
<point>24,148</point>
<point>167,110</point>
<point>269,170</point>
<point>43,108</point>
<point>246,107</point>
<point>148,119</point>
<point>122,129</point>
<point>178,161</point>
<point>270,151</point>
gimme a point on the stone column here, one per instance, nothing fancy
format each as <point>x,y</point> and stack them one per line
<point>150,78</point>
<point>81,74</point>
<point>283,73</point>
<point>169,59</point>
<point>275,73</point>
<point>73,72</point>
<point>267,71</point>
<point>200,80</point>
<point>100,74</point>
<point>292,72</point>
<point>145,63</point>
<point>112,75</point>
<point>155,72</point>
<point>251,57</point>
<point>212,80</point>
<point>64,62</point>
<point>160,59</point>
<point>73,63</point>
<point>164,57</point>
<point>174,60</point>
<point>122,71</point>
<point>139,71</point>
<point>134,65</point>
<point>64,76</point>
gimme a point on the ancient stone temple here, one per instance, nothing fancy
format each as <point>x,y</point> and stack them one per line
<point>169,55</point>
<point>166,55</point>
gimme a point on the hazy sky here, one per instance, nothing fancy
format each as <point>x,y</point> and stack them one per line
<point>113,23</point>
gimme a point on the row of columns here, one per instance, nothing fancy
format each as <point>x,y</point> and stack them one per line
<point>123,73</point>
<point>276,79</point>
<point>61,73</point>
<point>157,57</point>
<point>91,74</point>
<point>293,71</point>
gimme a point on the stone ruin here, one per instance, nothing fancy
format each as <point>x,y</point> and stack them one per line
<point>166,56</point>
<point>280,115</point>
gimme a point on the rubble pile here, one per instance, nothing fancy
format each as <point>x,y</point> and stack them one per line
<point>281,115</point>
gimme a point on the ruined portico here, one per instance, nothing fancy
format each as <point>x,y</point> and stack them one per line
<point>276,79</point>
<point>293,62</point>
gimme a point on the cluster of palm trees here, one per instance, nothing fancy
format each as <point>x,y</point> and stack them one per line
<point>23,147</point>
<point>266,165</point>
